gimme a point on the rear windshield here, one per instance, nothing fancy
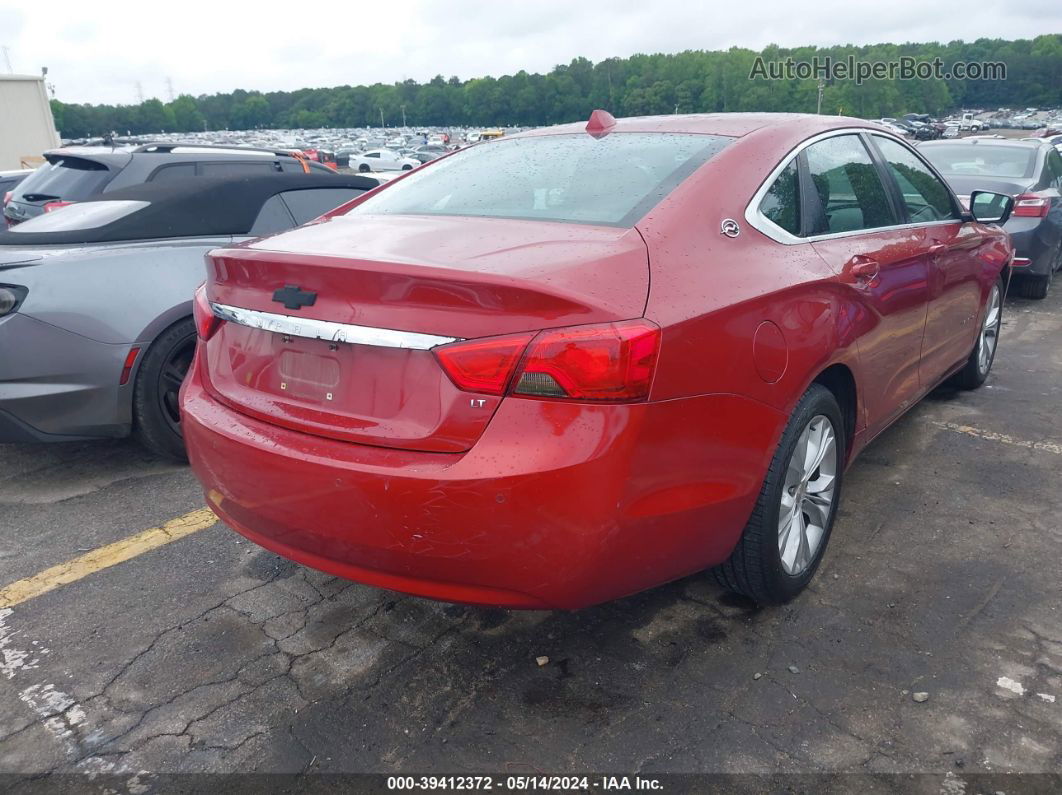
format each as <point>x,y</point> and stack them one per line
<point>66,178</point>
<point>981,160</point>
<point>611,181</point>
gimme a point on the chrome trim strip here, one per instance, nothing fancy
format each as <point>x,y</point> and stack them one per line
<point>329,331</point>
<point>762,223</point>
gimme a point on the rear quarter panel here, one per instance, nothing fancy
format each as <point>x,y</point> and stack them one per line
<point>117,294</point>
<point>712,293</point>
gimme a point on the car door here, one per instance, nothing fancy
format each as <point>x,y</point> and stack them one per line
<point>853,221</point>
<point>1053,180</point>
<point>953,268</point>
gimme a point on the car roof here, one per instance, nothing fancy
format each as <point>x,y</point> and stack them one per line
<point>734,125</point>
<point>190,207</point>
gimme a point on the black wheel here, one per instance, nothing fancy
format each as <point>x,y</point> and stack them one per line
<point>364,168</point>
<point>1035,286</point>
<point>979,364</point>
<point>156,413</point>
<point>407,167</point>
<point>784,540</point>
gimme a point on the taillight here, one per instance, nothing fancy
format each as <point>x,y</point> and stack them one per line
<point>206,322</point>
<point>611,361</point>
<point>483,365</point>
<point>604,362</point>
<point>1029,205</point>
<point>53,206</point>
<point>11,297</point>
<point>7,197</point>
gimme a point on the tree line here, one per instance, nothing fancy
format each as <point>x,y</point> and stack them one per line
<point>693,81</point>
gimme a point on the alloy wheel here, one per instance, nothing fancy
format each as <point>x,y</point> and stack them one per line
<point>986,343</point>
<point>174,369</point>
<point>807,495</point>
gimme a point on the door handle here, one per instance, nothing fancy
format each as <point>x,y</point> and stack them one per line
<point>864,271</point>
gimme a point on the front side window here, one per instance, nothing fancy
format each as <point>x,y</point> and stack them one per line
<point>926,197</point>
<point>572,178</point>
<point>781,204</point>
<point>848,187</point>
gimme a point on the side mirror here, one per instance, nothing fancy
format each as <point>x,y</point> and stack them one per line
<point>987,207</point>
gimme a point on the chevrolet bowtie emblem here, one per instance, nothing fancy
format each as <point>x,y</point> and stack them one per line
<point>294,298</point>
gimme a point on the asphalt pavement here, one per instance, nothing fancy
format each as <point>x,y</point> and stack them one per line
<point>207,654</point>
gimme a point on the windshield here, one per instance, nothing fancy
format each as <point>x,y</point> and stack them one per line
<point>77,217</point>
<point>979,160</point>
<point>66,178</point>
<point>612,181</point>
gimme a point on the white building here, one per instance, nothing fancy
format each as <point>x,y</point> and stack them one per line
<point>26,125</point>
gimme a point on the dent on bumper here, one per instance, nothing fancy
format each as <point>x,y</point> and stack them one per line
<point>557,505</point>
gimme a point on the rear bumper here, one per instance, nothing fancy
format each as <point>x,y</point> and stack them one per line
<point>1036,240</point>
<point>556,506</point>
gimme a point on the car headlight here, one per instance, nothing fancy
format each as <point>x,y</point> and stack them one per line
<point>10,298</point>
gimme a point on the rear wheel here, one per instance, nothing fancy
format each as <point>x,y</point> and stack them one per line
<point>784,540</point>
<point>156,413</point>
<point>979,365</point>
<point>364,168</point>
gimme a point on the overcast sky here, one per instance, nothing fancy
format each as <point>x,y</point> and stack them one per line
<point>97,52</point>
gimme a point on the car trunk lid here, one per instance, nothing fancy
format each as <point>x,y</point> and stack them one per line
<point>356,362</point>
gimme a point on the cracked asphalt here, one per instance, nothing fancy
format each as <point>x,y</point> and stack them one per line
<point>210,655</point>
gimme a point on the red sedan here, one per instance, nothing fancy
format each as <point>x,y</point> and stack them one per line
<point>580,362</point>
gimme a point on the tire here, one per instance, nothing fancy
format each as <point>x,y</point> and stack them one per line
<point>156,416</point>
<point>757,568</point>
<point>978,366</point>
<point>407,167</point>
<point>1035,286</point>
<point>364,168</point>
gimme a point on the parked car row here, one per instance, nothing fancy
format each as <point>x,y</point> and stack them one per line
<point>491,380</point>
<point>73,174</point>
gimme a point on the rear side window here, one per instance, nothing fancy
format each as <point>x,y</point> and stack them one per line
<point>611,181</point>
<point>175,171</point>
<point>310,203</point>
<point>926,197</point>
<point>848,186</point>
<point>66,178</point>
<point>235,169</point>
<point>273,217</point>
<point>1054,170</point>
<point>781,204</point>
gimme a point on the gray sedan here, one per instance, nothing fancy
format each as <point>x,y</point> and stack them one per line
<point>96,328</point>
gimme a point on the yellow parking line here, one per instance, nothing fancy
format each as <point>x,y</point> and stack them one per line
<point>1002,438</point>
<point>104,557</point>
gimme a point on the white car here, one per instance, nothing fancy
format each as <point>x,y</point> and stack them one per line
<point>951,130</point>
<point>382,160</point>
